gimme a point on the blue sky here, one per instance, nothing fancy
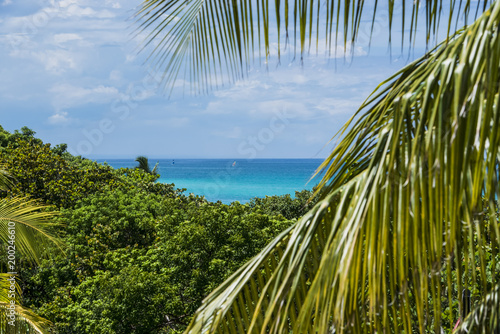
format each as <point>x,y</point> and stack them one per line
<point>70,71</point>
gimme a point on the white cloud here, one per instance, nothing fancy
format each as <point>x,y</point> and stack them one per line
<point>335,106</point>
<point>63,38</point>
<point>56,61</point>
<point>53,61</point>
<point>6,2</point>
<point>67,95</point>
<point>130,57</point>
<point>140,92</point>
<point>244,89</point>
<point>219,107</point>
<point>87,11</point>
<point>72,8</point>
<point>323,50</point>
<point>113,4</point>
<point>59,118</point>
<point>115,75</point>
<point>281,91</point>
<point>63,3</point>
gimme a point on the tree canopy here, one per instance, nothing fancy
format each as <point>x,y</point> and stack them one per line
<point>139,256</point>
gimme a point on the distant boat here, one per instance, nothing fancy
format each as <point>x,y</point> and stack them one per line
<point>173,162</point>
<point>234,163</point>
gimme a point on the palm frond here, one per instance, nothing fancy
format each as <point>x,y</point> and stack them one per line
<point>5,288</point>
<point>154,171</point>
<point>30,221</point>
<point>143,164</point>
<point>12,311</point>
<point>25,321</point>
<point>405,231</point>
<point>485,318</point>
<point>211,43</point>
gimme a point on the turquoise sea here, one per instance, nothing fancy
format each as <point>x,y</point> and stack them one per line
<point>230,180</point>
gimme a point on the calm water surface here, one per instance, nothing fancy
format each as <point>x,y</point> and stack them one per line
<point>229,180</point>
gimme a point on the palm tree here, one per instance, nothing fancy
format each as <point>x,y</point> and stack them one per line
<point>144,165</point>
<point>23,226</point>
<point>408,216</point>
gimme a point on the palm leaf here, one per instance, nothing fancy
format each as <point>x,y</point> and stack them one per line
<point>214,42</point>
<point>31,221</point>
<point>405,231</point>
<point>5,286</point>
<point>485,318</point>
<point>143,164</point>
<point>24,318</point>
<point>154,171</point>
<point>26,321</point>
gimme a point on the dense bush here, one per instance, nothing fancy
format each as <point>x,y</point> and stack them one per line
<point>140,256</point>
<point>43,174</point>
<point>285,205</point>
<point>179,249</point>
<point>10,139</point>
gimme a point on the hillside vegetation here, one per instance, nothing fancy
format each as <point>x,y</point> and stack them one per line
<point>139,256</point>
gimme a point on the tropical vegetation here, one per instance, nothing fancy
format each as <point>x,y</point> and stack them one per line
<point>408,216</point>
<point>25,226</point>
<point>144,165</point>
<point>404,223</point>
<point>138,256</point>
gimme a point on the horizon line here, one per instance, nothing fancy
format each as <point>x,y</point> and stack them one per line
<point>199,158</point>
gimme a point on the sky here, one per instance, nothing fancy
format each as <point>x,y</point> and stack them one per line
<point>70,70</point>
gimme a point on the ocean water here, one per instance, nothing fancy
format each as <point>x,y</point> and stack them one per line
<point>234,180</point>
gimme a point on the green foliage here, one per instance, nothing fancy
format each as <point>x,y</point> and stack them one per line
<point>60,149</point>
<point>8,139</point>
<point>139,255</point>
<point>132,301</point>
<point>4,138</point>
<point>285,205</point>
<point>149,256</point>
<point>24,225</point>
<point>111,220</point>
<point>208,243</point>
<point>44,174</point>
